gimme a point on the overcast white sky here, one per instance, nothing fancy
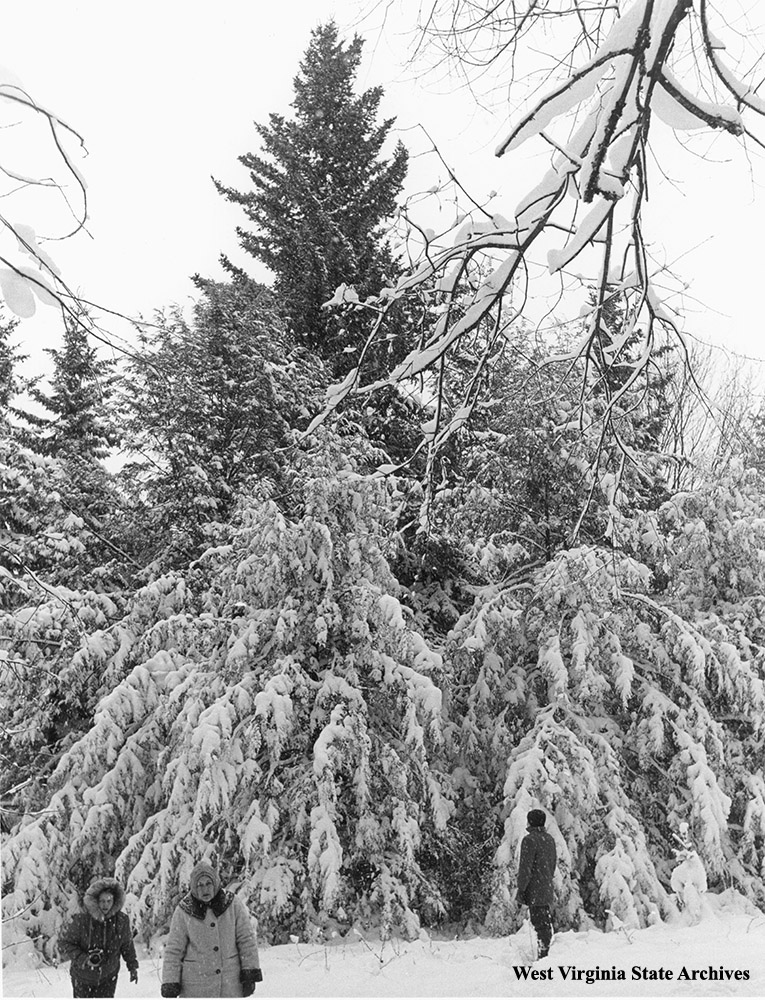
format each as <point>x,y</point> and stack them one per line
<point>165,93</point>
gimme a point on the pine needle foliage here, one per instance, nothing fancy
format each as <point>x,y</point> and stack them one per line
<point>321,191</point>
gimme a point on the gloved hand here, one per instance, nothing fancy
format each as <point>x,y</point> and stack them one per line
<point>134,975</point>
<point>248,978</point>
<point>170,990</point>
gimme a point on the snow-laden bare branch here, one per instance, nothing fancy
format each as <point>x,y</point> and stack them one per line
<point>644,62</point>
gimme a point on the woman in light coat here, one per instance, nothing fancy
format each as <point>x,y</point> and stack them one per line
<point>211,950</point>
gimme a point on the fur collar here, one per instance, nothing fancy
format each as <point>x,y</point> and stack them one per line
<point>196,908</point>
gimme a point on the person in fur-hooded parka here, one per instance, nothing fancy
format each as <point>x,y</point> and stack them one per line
<point>211,950</point>
<point>95,939</point>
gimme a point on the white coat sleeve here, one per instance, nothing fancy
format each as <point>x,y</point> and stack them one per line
<point>175,948</point>
<point>246,941</point>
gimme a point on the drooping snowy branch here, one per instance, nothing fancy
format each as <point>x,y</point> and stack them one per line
<point>34,276</point>
<point>643,65</point>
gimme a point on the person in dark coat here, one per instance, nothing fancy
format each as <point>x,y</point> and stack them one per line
<point>535,877</point>
<point>95,939</point>
<point>211,950</point>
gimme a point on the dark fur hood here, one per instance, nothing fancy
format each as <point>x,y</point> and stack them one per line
<point>90,900</point>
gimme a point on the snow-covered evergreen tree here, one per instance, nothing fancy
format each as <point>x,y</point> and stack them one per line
<point>209,408</point>
<point>276,705</point>
<point>708,547</point>
<point>79,422</point>
<point>78,428</point>
<point>320,192</point>
<point>622,709</point>
<point>273,705</point>
<point>39,537</point>
<point>10,357</point>
<point>45,550</point>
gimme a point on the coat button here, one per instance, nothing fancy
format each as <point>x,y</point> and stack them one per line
<point>217,972</point>
<point>212,924</point>
<point>215,948</point>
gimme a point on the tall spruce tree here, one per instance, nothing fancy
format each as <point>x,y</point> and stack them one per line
<point>14,384</point>
<point>78,431</point>
<point>79,423</point>
<point>9,358</point>
<point>320,193</point>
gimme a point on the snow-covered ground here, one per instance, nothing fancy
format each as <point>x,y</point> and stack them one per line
<point>730,936</point>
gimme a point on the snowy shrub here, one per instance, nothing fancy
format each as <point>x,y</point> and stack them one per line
<point>38,535</point>
<point>585,696</point>
<point>53,657</point>
<point>713,541</point>
<point>275,707</point>
<point>275,710</point>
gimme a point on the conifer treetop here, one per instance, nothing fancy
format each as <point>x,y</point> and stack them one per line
<point>321,190</point>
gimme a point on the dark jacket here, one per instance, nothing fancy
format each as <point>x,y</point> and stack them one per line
<point>92,929</point>
<point>536,868</point>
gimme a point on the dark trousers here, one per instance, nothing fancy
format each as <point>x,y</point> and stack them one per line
<point>541,920</point>
<point>105,988</point>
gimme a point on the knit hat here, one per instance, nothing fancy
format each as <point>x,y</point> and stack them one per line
<point>198,872</point>
<point>536,817</point>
